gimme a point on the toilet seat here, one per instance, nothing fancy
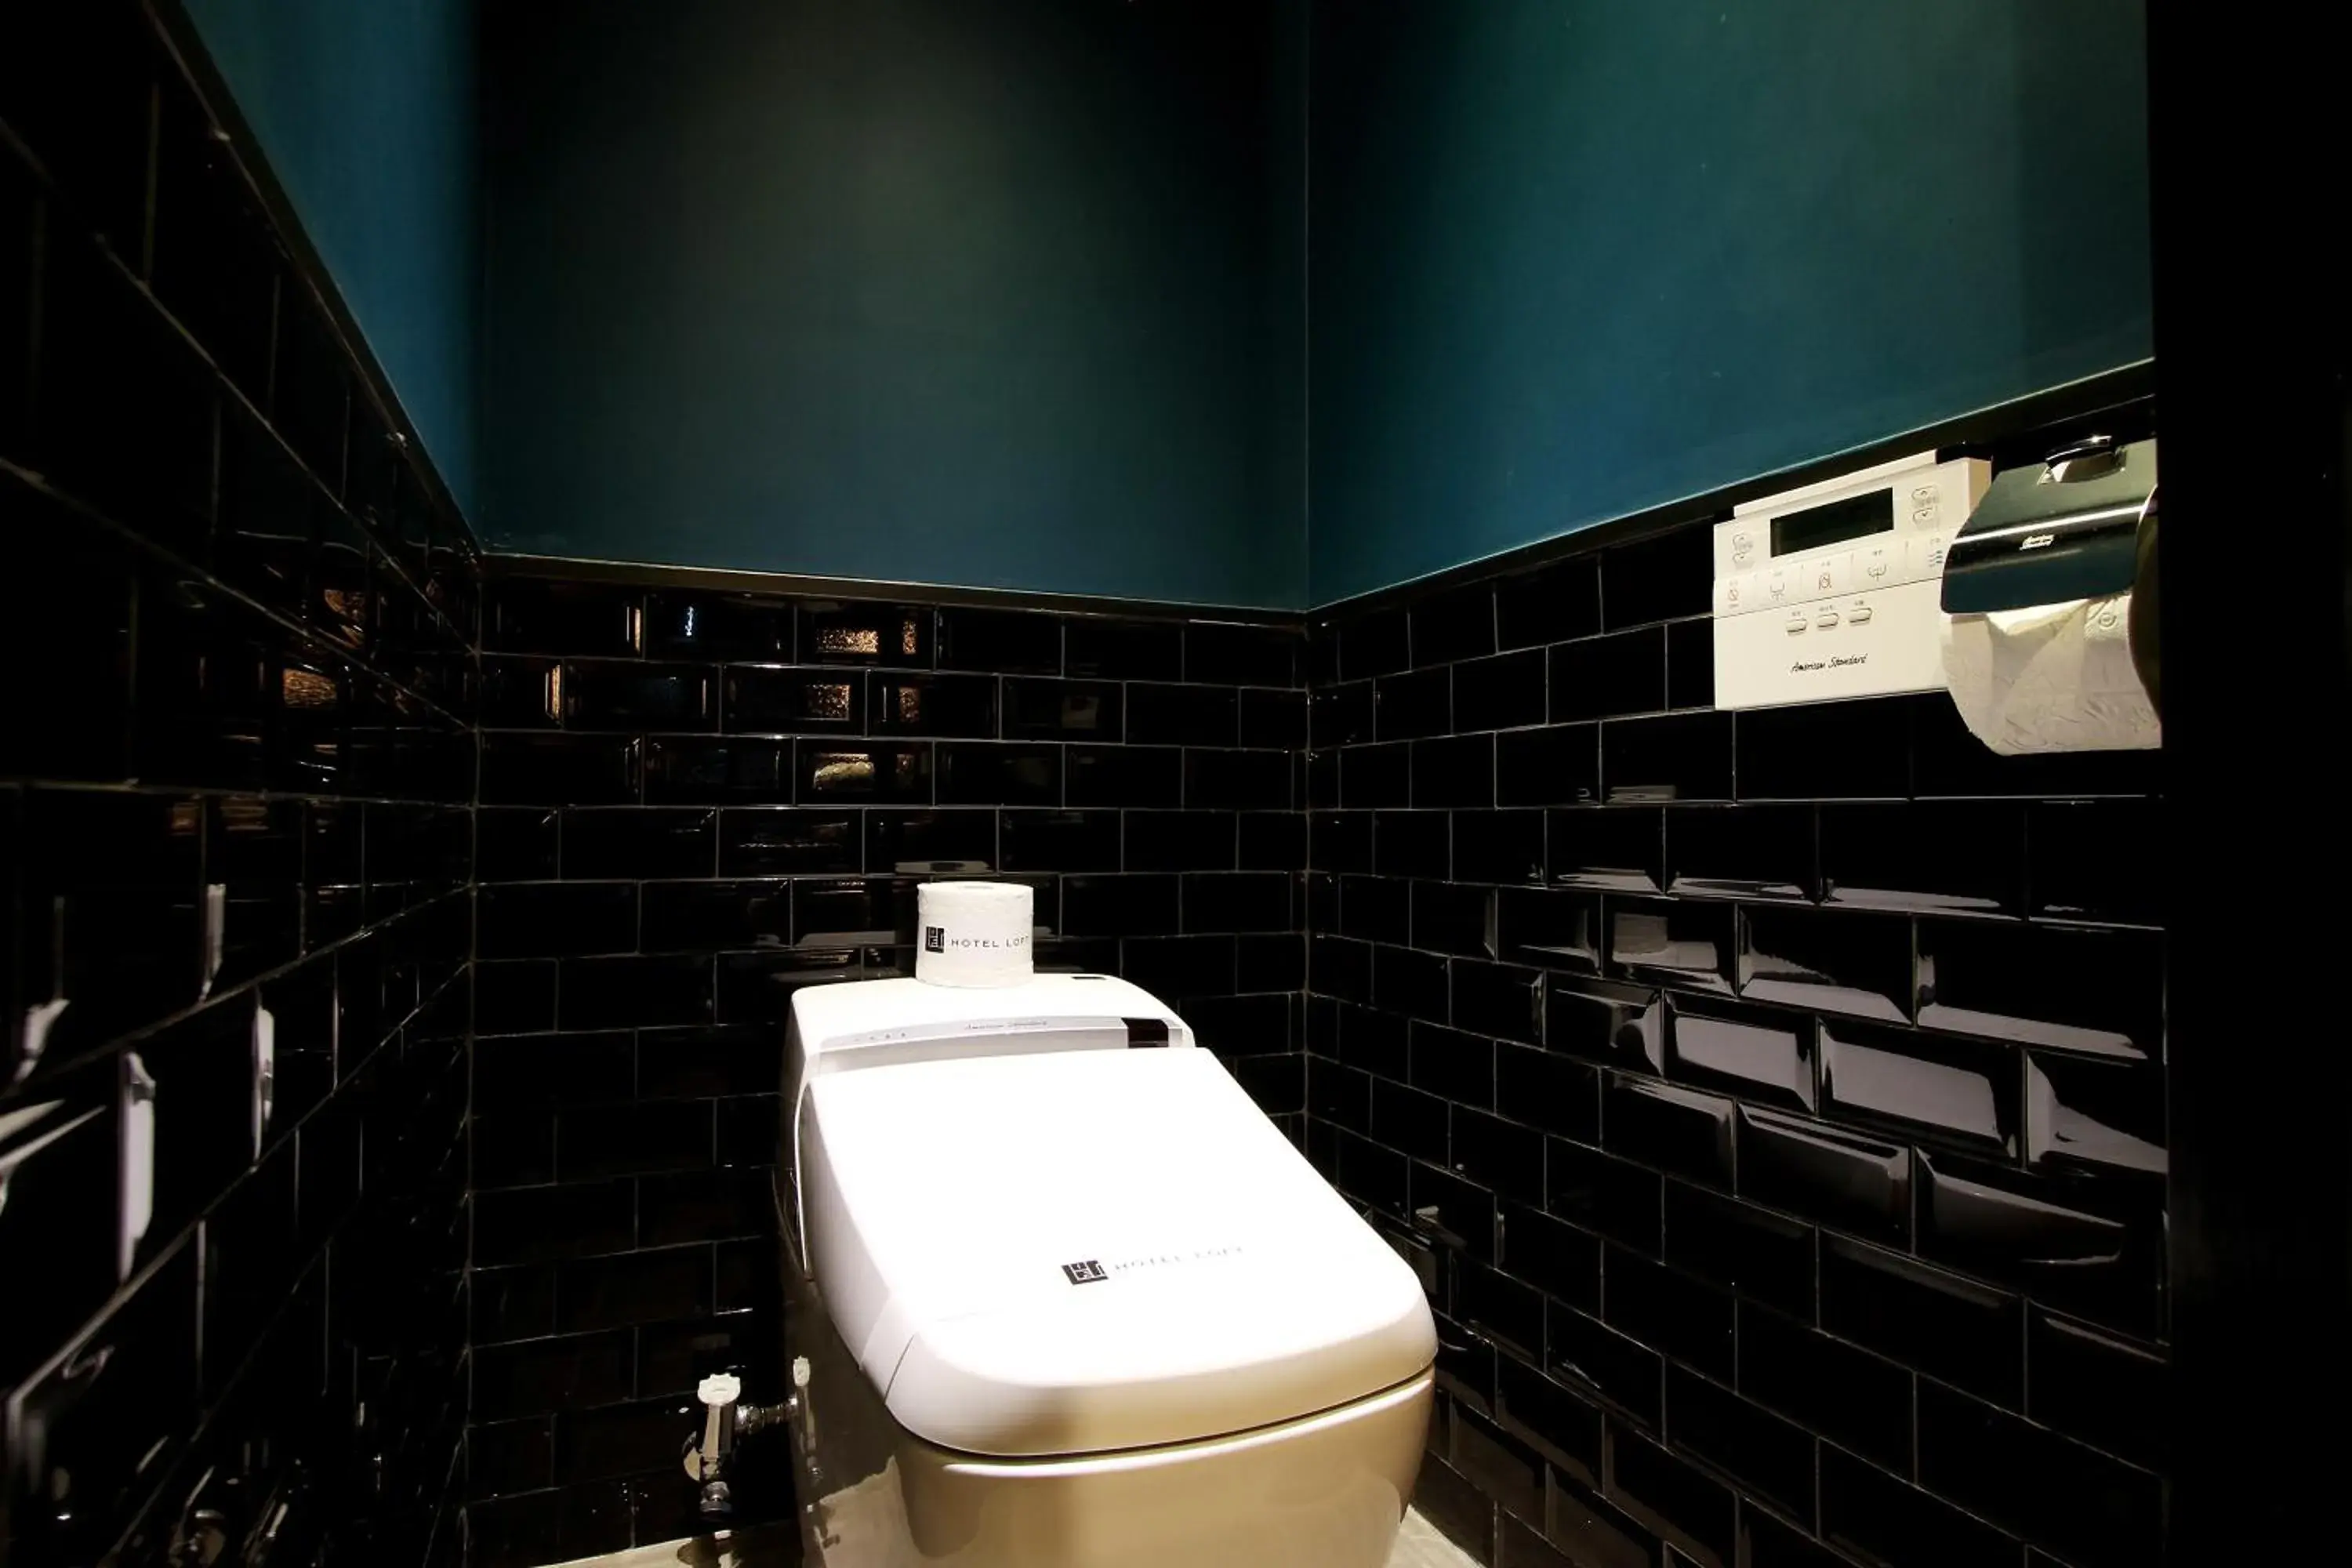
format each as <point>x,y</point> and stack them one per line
<point>1064,1254</point>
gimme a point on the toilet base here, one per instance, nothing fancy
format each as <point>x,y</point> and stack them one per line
<point>1326,1490</point>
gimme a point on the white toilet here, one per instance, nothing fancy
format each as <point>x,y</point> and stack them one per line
<point>1061,1296</point>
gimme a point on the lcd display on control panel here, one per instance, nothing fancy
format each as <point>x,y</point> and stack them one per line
<point>1834,523</point>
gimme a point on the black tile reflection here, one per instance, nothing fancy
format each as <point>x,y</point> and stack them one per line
<point>1690,664</point>
<point>2092,1385</point>
<point>1341,715</point>
<point>1059,840</point>
<point>1375,644</point>
<point>1683,1504</point>
<point>1227,653</point>
<point>1678,1131</point>
<point>770,701</point>
<point>1961,856</point>
<point>1501,693</point>
<point>1006,640</point>
<point>1409,843</point>
<point>1855,964</point>
<point>1045,710</point>
<point>1758,1053</point>
<point>1182,840</point>
<point>622,843</point>
<point>1557,930</point>
<point>628,695</point>
<point>1967,1333</point>
<point>1498,847</point>
<point>945,705</point>
<point>1376,775</point>
<point>1750,852</point>
<point>2092,861</point>
<point>1683,944</point>
<point>765,841</point>
<point>1453,626</point>
<point>717,627</point>
<point>2093,1115</point>
<point>1745,1441</point>
<point>2096,992</point>
<point>1619,850</point>
<point>1857,1183</point>
<point>1759,1256</point>
<point>1121,775</point>
<point>1680,756</point>
<point>2057,1494</point>
<point>2085,1245</point>
<point>1825,751</point>
<point>1555,766</point>
<point>1123,650</point>
<point>831,772</point>
<point>1910,1085</point>
<point>926,842</point>
<point>837,633</point>
<point>1870,1514</point>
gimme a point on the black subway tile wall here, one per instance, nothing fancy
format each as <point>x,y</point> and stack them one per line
<point>1774,1100</point>
<point>695,802</point>
<point>236,775</point>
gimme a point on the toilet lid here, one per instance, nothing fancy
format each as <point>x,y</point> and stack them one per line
<point>1043,1254</point>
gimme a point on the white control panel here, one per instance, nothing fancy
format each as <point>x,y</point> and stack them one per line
<point>1833,589</point>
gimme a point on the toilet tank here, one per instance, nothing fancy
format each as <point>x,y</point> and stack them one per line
<point>888,1023</point>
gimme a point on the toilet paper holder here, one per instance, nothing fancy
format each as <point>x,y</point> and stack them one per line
<point>2068,528</point>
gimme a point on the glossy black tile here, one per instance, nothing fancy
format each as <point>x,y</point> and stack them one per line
<point>2082,1505</point>
<point>1958,1092</point>
<point>836,773</point>
<point>838,633</point>
<point>1452,626</point>
<point>1238,902</point>
<point>1120,906</point>
<point>1036,709</point>
<point>522,693</point>
<point>2098,860</point>
<point>1766,1543</point>
<point>1375,644</point>
<point>1880,1520</point>
<point>1680,944</point>
<point>1550,606</point>
<point>1341,715</point>
<point>2099,992</point>
<point>679,770</point>
<point>1123,650</point>
<point>1410,707</point>
<point>1964,1333</point>
<point>690,917</point>
<point>1690,664</point>
<point>1924,855</point>
<point>1679,1130</point>
<point>1180,841</point>
<point>594,993</point>
<point>1148,776</point>
<point>1842,1179</point>
<point>1273,719</point>
<point>1825,751</point>
<point>1501,1000</point>
<point>629,696</point>
<point>1182,715</point>
<point>1499,847</point>
<point>1764,1454</point>
<point>1556,766</point>
<point>1847,1395</point>
<point>1229,653</point>
<point>2091,1115</point>
<point>532,616</point>
<point>549,920</point>
<point>1754,1052</point>
<point>717,627</point>
<point>1747,851</point>
<point>2095,1247</point>
<point>1555,929</point>
<point>1755,1255</point>
<point>1448,1062</point>
<point>1006,640</point>
<point>1414,984</point>
<point>1605,1020</point>
<point>1950,761</point>
<point>1503,1156</point>
<point>1058,840</point>
<point>1683,1504</point>
<point>2092,1385</point>
<point>1459,772</point>
<point>1237,781</point>
<point>786,701</point>
<point>1557,1259</point>
<point>1604,677</point>
<point>1660,578</point>
<point>1410,843</point>
<point>1439,917</point>
<point>781,840</point>
<point>1376,775</point>
<point>1603,1195</point>
<point>1619,850</point>
<point>625,842</point>
<point>1837,963</point>
<point>1680,756</point>
<point>1601,1363</point>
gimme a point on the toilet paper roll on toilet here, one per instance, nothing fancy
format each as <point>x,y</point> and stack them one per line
<point>975,934</point>
<point>2050,677</point>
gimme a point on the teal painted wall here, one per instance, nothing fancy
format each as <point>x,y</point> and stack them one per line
<point>1574,259</point>
<point>1003,295</point>
<point>367,111</point>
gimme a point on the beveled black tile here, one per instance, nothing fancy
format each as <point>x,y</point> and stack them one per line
<point>610,993</point>
<point>1604,677</point>
<point>687,769</point>
<point>1182,840</point>
<point>1564,1427</point>
<point>691,916</point>
<point>1757,1449</point>
<point>1181,967</point>
<point>2087,1245</point>
<point>2100,1389</point>
<point>2085,1507</point>
<point>1445,916</point>
<point>1742,851</point>
<point>1683,1504</point>
<point>1962,1093</point>
<point>1675,1129</point>
<point>1059,840</point>
<point>1871,1515</point>
<point>1339,841</point>
<point>685,624</point>
<point>1659,578</point>
<point>1238,902</point>
<point>1688,1320</point>
<point>621,841</point>
<point>1550,605</point>
<point>521,693</point>
<point>2099,992</point>
<point>1680,944</point>
<point>1604,1194</point>
<point>832,632</point>
<point>1499,847</point>
<point>1237,781</point>
<point>1690,664</point>
<point>1846,1394</point>
<point>793,702</point>
<point>1766,1543</point>
<point>1376,775</point>
<point>1492,1304</point>
<point>1619,850</point>
<point>1270,841</point>
<point>560,770</point>
<point>872,910</point>
<point>1607,1021</point>
<point>1556,766</point>
<point>1182,715</point>
<point>1597,1361</point>
<point>1451,625</point>
<point>1924,855</point>
<point>1119,905</point>
<point>514,998</point>
<point>556,920</point>
<point>1755,1052</point>
<point>1828,960</point>
<point>1680,756</point>
<point>1276,719</point>
<point>1410,843</point>
<point>1460,1067</point>
<point>1269,960</point>
<point>1498,999</point>
<point>1947,760</point>
<point>2089,1115</point>
<point>1759,1255</point>
<point>1964,1333</point>
<point>1375,644</point>
<point>1558,1259</point>
<point>779,840</point>
<point>1227,654</point>
<point>910,843</point>
<point>1340,1094</point>
<point>2090,860</point>
<point>958,706</point>
<point>1149,777</point>
<point>1123,650</point>
<point>1842,1179</point>
<point>1341,715</point>
<point>1503,1156</point>
<point>1043,710</point>
<point>1825,751</point>
<point>533,616</point>
<point>1410,707</point>
<point>1555,929</point>
<point>1411,982</point>
<point>1459,772</point>
<point>632,696</point>
<point>836,773</point>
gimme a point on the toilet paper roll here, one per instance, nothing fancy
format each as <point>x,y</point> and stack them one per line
<point>2052,677</point>
<point>974,933</point>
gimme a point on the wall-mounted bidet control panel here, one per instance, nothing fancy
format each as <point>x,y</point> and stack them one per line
<point>1833,590</point>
